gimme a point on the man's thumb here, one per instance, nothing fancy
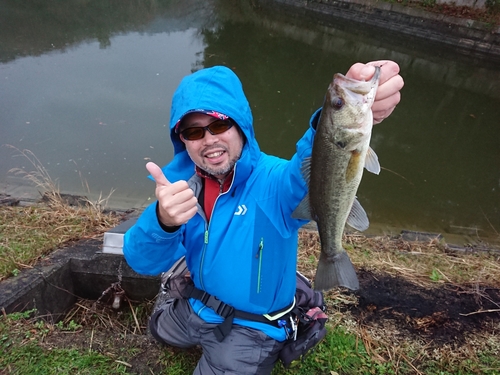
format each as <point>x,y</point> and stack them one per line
<point>157,174</point>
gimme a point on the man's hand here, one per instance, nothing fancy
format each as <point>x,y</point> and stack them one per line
<point>176,202</point>
<point>388,95</point>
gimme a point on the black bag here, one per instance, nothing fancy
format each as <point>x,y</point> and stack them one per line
<point>176,280</point>
<point>309,319</point>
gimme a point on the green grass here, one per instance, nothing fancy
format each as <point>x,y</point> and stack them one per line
<point>20,352</point>
<point>31,359</point>
<point>339,351</point>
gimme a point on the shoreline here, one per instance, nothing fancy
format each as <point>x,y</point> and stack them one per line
<point>453,242</point>
<point>466,36</point>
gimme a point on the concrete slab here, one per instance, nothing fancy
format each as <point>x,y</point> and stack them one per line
<point>113,239</point>
<point>81,270</point>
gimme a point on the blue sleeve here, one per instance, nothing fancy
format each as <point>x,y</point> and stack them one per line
<point>147,248</point>
<point>285,186</point>
<point>293,175</point>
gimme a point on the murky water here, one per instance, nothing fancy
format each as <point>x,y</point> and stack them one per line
<point>86,87</point>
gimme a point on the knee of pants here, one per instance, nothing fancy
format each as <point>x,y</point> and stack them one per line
<point>153,325</point>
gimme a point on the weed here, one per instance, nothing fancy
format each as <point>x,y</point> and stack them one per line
<point>436,275</point>
<point>28,233</point>
<point>493,6</point>
<point>428,3</point>
<point>71,326</point>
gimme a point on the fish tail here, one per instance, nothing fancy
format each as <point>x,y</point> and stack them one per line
<point>336,271</point>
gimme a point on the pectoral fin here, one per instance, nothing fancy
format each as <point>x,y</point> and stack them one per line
<point>305,169</point>
<point>357,217</point>
<point>371,161</point>
<point>303,210</point>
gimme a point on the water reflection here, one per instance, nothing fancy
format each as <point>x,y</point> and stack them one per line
<point>87,87</point>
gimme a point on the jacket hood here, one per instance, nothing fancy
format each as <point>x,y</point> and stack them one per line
<point>211,89</point>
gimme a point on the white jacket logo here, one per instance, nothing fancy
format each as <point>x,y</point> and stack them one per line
<point>242,210</point>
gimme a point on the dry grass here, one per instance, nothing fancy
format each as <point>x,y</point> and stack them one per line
<point>427,265</point>
<point>29,233</point>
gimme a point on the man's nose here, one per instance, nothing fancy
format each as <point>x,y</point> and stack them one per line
<point>210,139</point>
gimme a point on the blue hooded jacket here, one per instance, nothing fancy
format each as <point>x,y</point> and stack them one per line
<point>246,255</point>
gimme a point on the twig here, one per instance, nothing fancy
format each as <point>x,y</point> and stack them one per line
<point>91,340</point>
<point>481,311</point>
<point>411,364</point>
<point>135,317</point>
<point>123,363</point>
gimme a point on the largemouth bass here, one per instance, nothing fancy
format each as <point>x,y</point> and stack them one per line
<point>333,173</point>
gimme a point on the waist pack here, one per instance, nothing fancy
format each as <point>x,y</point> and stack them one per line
<point>309,318</point>
<point>304,321</point>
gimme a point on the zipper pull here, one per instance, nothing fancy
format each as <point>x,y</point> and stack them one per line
<point>261,247</point>
<point>206,236</point>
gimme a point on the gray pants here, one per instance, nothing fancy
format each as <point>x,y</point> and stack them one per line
<point>243,351</point>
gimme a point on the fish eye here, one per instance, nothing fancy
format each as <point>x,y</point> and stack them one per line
<point>337,102</point>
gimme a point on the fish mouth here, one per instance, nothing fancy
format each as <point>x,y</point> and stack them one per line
<point>354,92</point>
<point>355,86</point>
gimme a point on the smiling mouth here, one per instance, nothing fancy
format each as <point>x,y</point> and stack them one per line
<point>214,154</point>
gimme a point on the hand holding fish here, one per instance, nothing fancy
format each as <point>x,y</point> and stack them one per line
<point>176,201</point>
<point>388,92</point>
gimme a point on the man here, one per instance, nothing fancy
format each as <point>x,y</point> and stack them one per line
<point>227,207</point>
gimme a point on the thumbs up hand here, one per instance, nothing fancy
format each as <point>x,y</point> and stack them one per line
<point>176,202</point>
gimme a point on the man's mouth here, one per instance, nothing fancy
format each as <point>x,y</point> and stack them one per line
<point>215,154</point>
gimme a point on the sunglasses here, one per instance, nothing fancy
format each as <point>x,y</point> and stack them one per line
<point>198,132</point>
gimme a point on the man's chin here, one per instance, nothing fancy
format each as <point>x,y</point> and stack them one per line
<point>221,171</point>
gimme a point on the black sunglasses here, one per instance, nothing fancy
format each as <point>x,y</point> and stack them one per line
<point>198,132</point>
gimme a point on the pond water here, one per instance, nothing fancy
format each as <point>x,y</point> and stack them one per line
<point>86,87</point>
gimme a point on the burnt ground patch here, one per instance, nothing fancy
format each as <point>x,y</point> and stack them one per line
<point>442,314</point>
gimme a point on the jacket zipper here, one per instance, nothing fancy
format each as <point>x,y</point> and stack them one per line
<point>259,255</point>
<point>207,228</point>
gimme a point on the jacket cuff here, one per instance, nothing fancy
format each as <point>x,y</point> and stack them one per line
<point>313,122</point>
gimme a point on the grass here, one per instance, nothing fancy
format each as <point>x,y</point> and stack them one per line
<point>29,233</point>
<point>21,352</point>
<point>94,338</point>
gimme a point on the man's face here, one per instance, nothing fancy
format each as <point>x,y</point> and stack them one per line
<point>215,154</point>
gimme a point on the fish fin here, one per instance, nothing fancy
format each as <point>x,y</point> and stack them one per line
<point>371,162</point>
<point>305,168</point>
<point>357,217</point>
<point>303,210</point>
<point>338,271</point>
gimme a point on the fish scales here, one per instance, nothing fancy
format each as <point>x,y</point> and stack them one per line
<point>340,152</point>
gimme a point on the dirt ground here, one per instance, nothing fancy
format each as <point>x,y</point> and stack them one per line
<point>389,306</point>
<point>441,315</point>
